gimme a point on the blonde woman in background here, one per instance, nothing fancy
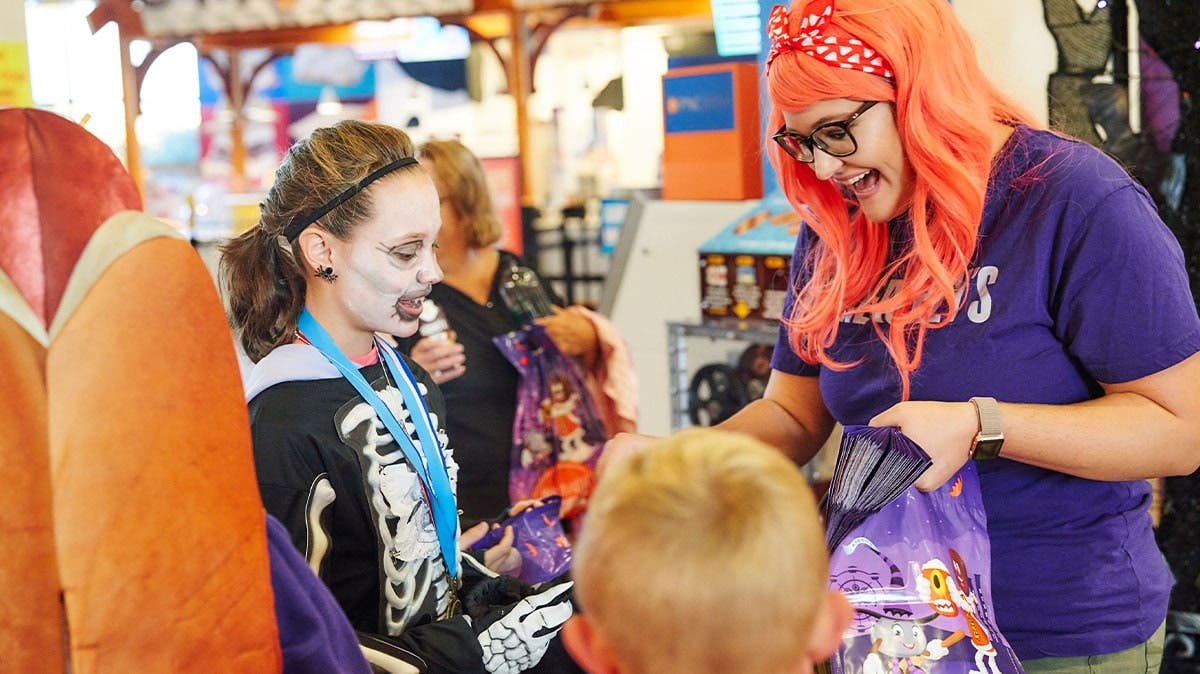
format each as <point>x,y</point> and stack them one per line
<point>479,384</point>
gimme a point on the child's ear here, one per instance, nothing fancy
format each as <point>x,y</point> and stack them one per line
<point>588,647</point>
<point>833,618</point>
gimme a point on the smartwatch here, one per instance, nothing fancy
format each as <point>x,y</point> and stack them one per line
<point>990,437</point>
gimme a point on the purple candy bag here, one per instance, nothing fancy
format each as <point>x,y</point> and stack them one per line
<point>557,432</point>
<point>538,536</point>
<point>918,574</point>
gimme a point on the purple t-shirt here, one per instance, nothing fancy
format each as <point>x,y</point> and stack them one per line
<point>1077,281</point>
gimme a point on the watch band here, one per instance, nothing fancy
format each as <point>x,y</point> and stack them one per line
<point>989,416</point>
<point>990,437</point>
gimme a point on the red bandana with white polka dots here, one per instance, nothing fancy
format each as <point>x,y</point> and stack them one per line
<point>822,40</point>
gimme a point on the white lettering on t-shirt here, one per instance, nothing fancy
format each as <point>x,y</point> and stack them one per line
<point>862,317</point>
<point>889,292</point>
<point>958,298</point>
<point>981,309</point>
<point>978,311</point>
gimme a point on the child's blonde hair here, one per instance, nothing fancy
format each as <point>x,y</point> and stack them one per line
<point>703,553</point>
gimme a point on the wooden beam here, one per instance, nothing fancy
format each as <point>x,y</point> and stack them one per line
<point>642,11</point>
<point>120,12</point>
<point>282,38</point>
<point>520,81</point>
<point>487,26</point>
<point>618,11</point>
<point>237,141</point>
<point>132,97</point>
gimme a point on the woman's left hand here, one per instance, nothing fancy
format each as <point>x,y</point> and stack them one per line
<point>944,430</point>
<point>443,357</point>
<point>571,332</point>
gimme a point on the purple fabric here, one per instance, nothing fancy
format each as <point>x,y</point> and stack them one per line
<point>1077,282</point>
<point>315,636</point>
<point>538,535</point>
<point>558,433</point>
<point>917,573</point>
<point>1160,99</point>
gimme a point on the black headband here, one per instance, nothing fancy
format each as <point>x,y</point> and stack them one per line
<point>300,222</point>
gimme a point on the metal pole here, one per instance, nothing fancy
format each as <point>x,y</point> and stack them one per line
<point>1134,43</point>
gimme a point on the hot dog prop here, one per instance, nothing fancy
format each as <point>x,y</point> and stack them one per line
<point>132,529</point>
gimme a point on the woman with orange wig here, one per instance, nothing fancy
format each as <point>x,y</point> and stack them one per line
<point>1002,294</point>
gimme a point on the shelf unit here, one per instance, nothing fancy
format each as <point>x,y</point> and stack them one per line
<point>719,341</point>
<point>713,335</point>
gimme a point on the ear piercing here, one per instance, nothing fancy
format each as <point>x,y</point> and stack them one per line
<point>326,273</point>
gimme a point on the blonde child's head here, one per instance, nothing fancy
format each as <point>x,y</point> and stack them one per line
<point>703,553</point>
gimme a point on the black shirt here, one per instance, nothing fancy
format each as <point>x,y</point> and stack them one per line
<point>481,404</point>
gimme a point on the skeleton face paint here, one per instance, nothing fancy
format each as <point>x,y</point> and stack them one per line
<point>388,265</point>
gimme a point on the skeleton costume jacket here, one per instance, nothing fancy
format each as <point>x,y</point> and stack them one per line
<point>330,471</point>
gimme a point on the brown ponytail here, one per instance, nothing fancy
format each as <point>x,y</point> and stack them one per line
<point>264,286</point>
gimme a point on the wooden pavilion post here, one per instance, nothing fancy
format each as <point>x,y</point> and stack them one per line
<point>131,89</point>
<point>519,81</point>
<point>236,92</point>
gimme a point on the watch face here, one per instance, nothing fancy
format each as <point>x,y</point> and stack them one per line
<point>987,448</point>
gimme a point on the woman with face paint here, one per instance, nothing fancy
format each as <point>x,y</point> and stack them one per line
<point>348,447</point>
<point>999,292</point>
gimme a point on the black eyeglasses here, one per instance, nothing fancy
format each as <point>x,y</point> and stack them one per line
<point>834,138</point>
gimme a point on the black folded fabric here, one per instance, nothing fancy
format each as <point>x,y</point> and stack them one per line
<point>874,466</point>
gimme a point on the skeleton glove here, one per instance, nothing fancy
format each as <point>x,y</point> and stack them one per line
<point>518,639</point>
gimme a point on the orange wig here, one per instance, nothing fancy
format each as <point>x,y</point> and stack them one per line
<point>946,110</point>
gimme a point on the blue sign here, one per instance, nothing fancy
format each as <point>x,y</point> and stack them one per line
<point>768,228</point>
<point>698,102</point>
<point>612,217</point>
<point>275,82</point>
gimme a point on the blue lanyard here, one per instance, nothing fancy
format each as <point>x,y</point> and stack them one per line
<point>428,462</point>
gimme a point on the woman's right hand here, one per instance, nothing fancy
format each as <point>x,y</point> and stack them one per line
<point>944,430</point>
<point>622,445</point>
<point>502,557</point>
<point>444,359</point>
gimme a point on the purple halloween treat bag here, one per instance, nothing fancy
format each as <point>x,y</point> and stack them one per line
<point>558,432</point>
<point>538,535</point>
<point>918,573</point>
